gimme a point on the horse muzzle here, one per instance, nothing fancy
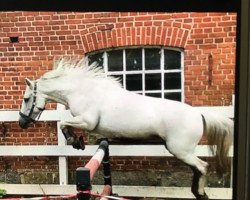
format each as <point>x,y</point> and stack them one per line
<point>24,121</point>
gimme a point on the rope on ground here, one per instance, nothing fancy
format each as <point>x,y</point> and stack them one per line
<point>70,196</point>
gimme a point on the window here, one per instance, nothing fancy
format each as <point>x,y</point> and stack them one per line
<point>150,71</point>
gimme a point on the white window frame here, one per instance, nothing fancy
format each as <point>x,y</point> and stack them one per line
<point>162,71</point>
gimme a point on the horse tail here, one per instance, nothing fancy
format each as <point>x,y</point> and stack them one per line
<point>219,133</point>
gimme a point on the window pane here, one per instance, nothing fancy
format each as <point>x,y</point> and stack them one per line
<point>96,58</point>
<point>172,59</point>
<point>158,95</point>
<point>134,82</point>
<point>173,96</point>
<point>115,60</point>
<point>172,81</point>
<point>133,59</point>
<point>153,81</point>
<point>119,78</point>
<point>152,58</point>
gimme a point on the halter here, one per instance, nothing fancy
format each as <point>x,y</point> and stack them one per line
<point>28,117</point>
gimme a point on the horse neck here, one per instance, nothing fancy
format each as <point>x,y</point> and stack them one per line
<point>64,89</point>
<point>56,89</point>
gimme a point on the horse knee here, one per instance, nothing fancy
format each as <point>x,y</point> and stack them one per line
<point>194,161</point>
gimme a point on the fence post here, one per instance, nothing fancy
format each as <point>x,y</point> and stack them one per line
<point>63,160</point>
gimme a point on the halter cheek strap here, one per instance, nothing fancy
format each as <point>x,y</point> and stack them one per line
<point>28,117</point>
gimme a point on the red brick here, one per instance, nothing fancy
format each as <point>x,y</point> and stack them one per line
<point>200,15</point>
<point>143,18</point>
<point>126,19</point>
<point>232,23</point>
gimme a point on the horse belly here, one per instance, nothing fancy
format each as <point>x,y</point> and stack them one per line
<point>127,128</point>
<point>129,120</point>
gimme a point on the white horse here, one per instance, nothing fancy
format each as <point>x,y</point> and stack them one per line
<point>101,106</point>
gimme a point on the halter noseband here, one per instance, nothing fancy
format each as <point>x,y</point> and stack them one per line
<point>28,117</point>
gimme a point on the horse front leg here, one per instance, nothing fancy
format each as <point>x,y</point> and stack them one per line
<point>70,136</point>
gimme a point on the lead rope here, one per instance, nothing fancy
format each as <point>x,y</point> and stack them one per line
<point>104,196</point>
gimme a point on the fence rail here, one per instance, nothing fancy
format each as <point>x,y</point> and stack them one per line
<point>61,114</point>
<point>115,150</point>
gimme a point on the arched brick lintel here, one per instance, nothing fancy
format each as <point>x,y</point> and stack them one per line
<point>102,37</point>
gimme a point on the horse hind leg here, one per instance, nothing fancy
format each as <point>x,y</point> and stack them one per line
<point>198,184</point>
<point>199,168</point>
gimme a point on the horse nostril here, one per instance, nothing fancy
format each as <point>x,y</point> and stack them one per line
<point>23,123</point>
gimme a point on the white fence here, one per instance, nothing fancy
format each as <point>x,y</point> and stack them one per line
<point>63,151</point>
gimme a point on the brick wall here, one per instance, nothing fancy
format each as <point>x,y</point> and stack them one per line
<point>29,41</point>
<point>44,35</point>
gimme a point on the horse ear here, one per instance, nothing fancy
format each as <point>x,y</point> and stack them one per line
<point>28,82</point>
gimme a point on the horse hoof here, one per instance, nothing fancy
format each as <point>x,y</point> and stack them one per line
<point>79,143</point>
<point>202,197</point>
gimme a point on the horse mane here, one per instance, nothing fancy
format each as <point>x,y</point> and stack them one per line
<point>78,67</point>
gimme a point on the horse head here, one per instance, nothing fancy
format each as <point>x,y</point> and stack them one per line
<point>32,106</point>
